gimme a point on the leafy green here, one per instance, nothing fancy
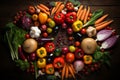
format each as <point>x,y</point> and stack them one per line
<point>104,57</point>
<point>14,37</point>
<point>22,64</point>
<point>75,2</point>
<point>96,14</point>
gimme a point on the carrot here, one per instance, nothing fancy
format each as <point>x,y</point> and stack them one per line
<point>86,16</point>
<point>100,23</point>
<point>57,6</point>
<point>71,65</point>
<point>101,19</point>
<point>84,13</point>
<point>63,72</point>
<point>103,25</point>
<point>60,8</point>
<point>67,72</point>
<point>44,6</point>
<point>79,16</point>
<point>42,9</point>
<point>79,10</point>
<point>71,71</point>
<point>52,11</point>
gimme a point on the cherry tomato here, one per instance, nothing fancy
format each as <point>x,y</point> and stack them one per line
<point>70,57</point>
<point>69,6</point>
<point>83,31</point>
<point>45,34</point>
<point>77,43</point>
<point>27,36</point>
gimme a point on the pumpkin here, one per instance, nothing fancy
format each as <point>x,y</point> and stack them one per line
<point>43,17</point>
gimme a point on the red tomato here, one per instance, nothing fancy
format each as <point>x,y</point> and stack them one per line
<point>27,36</point>
<point>45,34</point>
<point>83,31</point>
<point>77,43</point>
<point>70,57</point>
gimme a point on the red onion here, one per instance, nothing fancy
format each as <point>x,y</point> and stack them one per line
<point>104,34</point>
<point>109,42</point>
<point>78,65</point>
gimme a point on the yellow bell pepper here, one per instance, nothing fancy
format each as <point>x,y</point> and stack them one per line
<point>77,26</point>
<point>43,17</point>
<point>87,59</point>
<point>41,52</point>
<point>41,63</point>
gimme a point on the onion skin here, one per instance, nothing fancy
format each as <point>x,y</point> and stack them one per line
<point>109,42</point>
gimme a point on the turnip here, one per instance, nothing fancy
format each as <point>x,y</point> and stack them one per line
<point>78,65</point>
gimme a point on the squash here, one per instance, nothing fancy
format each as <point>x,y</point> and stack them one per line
<point>88,45</point>
<point>43,17</point>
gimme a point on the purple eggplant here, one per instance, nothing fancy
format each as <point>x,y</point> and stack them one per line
<point>104,34</point>
<point>108,43</point>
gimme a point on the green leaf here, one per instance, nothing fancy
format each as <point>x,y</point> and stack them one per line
<point>107,62</point>
<point>52,3</point>
<point>95,15</point>
<point>98,55</point>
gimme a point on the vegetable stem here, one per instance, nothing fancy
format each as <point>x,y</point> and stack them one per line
<point>10,46</point>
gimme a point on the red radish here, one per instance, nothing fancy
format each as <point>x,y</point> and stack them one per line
<point>64,25</point>
<point>43,27</point>
<point>32,56</point>
<point>65,50</point>
<point>69,31</point>
<point>21,54</point>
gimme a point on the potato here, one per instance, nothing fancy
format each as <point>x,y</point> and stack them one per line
<point>30,45</point>
<point>88,45</point>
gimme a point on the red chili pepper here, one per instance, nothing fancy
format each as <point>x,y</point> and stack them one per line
<point>71,17</point>
<point>59,18</point>
<point>50,47</point>
<point>58,62</point>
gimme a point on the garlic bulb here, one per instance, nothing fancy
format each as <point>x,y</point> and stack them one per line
<point>35,32</point>
<point>91,31</point>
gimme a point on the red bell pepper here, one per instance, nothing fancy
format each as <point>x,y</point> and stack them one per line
<point>50,47</point>
<point>71,17</point>
<point>59,18</point>
<point>79,53</point>
<point>58,62</point>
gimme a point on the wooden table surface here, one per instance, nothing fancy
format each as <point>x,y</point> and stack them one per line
<point>8,8</point>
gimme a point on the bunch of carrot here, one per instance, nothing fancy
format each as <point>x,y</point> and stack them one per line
<point>43,8</point>
<point>68,69</point>
<point>83,13</point>
<point>100,23</point>
<point>57,8</point>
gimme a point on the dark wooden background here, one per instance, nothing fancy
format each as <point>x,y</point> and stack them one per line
<point>8,8</point>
